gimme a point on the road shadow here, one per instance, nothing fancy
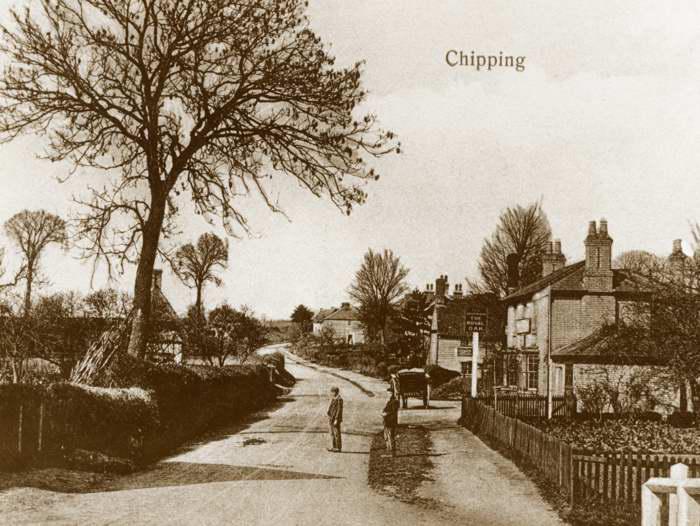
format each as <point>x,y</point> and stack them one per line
<point>66,480</point>
<point>169,474</point>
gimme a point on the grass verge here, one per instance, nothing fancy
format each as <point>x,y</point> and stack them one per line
<point>400,477</point>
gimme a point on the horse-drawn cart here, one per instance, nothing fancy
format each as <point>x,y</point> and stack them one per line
<point>411,383</point>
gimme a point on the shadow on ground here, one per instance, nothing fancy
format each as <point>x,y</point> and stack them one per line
<point>160,474</point>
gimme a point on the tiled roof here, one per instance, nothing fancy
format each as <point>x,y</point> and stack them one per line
<point>570,278</point>
<point>549,279</point>
<point>610,344</point>
<point>343,314</point>
<point>321,315</point>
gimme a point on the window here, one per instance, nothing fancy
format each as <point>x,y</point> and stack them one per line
<point>512,371</point>
<point>533,362</point>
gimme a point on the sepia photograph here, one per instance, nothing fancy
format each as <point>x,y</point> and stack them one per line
<point>349,262</point>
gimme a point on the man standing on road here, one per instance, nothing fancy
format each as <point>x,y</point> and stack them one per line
<point>335,417</point>
<point>391,422</point>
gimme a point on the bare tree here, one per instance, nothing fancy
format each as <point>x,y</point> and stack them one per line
<point>196,265</point>
<point>637,260</point>
<point>32,231</point>
<point>200,101</point>
<point>107,303</point>
<point>378,286</point>
<point>523,231</point>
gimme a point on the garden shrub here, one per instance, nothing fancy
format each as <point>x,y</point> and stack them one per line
<point>452,390</point>
<point>440,375</point>
<point>682,419</point>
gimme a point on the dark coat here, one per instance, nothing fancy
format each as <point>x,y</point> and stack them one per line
<point>335,410</point>
<point>391,413</point>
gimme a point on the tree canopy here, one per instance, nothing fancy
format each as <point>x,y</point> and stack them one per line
<point>522,231</point>
<point>194,102</point>
<point>377,287</point>
<point>197,265</point>
<point>32,231</point>
<point>303,317</point>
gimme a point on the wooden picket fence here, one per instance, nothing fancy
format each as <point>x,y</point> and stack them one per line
<point>23,432</point>
<point>518,405</point>
<point>611,477</point>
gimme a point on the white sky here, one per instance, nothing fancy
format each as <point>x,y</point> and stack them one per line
<point>604,122</point>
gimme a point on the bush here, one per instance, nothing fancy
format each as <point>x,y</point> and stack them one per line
<point>452,390</point>
<point>682,419</point>
<point>440,375</point>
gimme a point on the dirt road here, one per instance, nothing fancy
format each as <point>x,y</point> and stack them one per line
<point>275,469</point>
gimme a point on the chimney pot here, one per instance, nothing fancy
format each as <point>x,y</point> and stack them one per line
<point>592,230</point>
<point>603,231</point>
<point>677,245</point>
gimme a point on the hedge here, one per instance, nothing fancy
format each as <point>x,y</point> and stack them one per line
<point>140,412</point>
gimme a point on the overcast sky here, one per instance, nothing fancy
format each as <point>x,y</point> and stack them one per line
<point>603,122</point>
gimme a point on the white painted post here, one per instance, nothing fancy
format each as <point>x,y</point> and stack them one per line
<point>651,508</point>
<point>475,362</point>
<point>679,473</point>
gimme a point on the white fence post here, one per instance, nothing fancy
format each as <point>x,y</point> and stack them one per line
<point>683,508</point>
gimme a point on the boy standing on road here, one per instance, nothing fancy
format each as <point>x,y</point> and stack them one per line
<point>335,417</point>
<point>391,422</point>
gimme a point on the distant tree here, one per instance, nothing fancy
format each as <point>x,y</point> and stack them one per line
<point>32,231</point>
<point>303,317</point>
<point>637,260</point>
<point>62,331</point>
<point>233,333</point>
<point>183,102</point>
<point>411,326</point>
<point>522,231</point>
<point>196,265</point>
<point>195,331</point>
<point>107,303</point>
<point>378,286</point>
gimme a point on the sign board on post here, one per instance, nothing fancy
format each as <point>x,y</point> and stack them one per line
<point>475,322</point>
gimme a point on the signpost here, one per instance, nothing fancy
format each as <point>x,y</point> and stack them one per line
<point>475,323</point>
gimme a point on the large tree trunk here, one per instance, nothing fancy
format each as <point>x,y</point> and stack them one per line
<point>28,290</point>
<point>198,301</point>
<point>141,322</point>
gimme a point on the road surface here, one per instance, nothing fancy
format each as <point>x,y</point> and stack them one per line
<point>274,469</point>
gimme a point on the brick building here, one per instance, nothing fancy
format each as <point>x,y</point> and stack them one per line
<point>567,314</point>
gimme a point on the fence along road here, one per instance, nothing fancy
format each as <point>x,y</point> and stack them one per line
<point>611,477</point>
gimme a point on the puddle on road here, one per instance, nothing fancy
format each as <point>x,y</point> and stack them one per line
<point>253,442</point>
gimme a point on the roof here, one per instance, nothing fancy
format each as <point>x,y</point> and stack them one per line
<point>321,314</point>
<point>611,344</point>
<point>452,317</point>
<point>570,279</point>
<point>344,313</point>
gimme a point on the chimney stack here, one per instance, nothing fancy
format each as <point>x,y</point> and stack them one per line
<point>677,259</point>
<point>440,287</point>
<point>553,259</point>
<point>458,290</point>
<point>598,274</point>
